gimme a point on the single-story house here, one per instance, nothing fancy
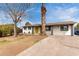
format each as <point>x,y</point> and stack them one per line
<point>58,28</point>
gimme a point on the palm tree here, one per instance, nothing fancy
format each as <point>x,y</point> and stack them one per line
<point>43,21</point>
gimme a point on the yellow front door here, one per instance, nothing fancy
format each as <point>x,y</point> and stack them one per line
<point>36,29</point>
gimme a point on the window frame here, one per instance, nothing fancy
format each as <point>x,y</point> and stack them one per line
<point>48,28</point>
<point>63,28</point>
<point>25,28</point>
<point>29,28</point>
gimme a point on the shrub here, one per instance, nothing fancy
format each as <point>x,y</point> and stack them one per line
<point>7,30</point>
<point>0,33</point>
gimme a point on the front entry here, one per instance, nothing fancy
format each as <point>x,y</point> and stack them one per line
<point>36,30</point>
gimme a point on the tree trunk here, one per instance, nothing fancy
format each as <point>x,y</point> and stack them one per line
<point>15,30</point>
<point>43,25</point>
<point>43,21</point>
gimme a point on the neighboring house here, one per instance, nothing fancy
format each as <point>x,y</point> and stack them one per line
<point>27,29</point>
<point>59,28</point>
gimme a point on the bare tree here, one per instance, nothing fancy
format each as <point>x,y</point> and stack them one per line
<point>43,21</point>
<point>17,11</point>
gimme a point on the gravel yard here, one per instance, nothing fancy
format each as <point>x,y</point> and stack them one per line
<point>10,46</point>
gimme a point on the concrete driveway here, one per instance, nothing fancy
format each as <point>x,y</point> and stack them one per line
<point>54,46</point>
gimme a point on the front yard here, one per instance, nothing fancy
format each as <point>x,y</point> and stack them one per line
<point>13,46</point>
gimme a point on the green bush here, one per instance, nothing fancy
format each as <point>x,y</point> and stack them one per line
<point>7,30</point>
<point>4,33</point>
<point>0,33</point>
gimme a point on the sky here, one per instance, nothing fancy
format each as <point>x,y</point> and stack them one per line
<point>56,12</point>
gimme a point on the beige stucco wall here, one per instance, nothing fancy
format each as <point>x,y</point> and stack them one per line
<point>69,31</point>
<point>48,32</point>
<point>57,31</point>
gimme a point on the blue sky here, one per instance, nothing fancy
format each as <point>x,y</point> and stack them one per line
<point>56,12</point>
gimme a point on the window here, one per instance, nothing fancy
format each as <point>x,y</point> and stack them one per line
<point>64,28</point>
<point>25,28</point>
<point>29,28</point>
<point>48,28</point>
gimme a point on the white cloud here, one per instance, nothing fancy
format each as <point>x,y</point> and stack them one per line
<point>4,18</point>
<point>30,9</point>
<point>64,14</point>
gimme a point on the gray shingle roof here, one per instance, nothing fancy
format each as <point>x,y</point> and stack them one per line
<point>62,23</point>
<point>57,23</point>
<point>52,24</point>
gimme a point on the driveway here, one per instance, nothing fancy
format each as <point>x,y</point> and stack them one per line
<point>54,46</point>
